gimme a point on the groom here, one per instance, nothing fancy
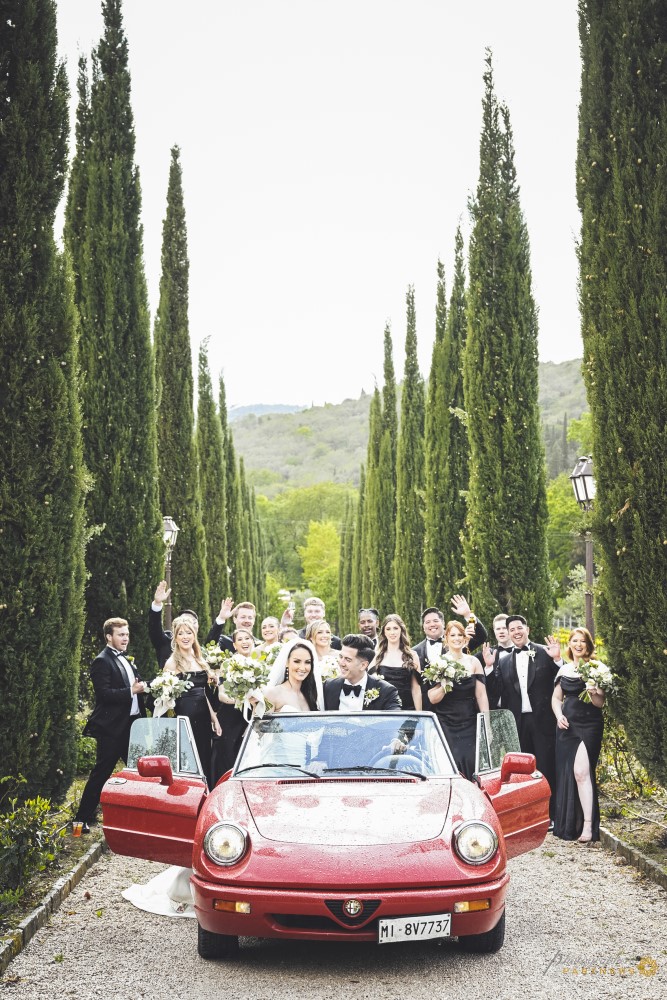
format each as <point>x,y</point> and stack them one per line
<point>354,690</point>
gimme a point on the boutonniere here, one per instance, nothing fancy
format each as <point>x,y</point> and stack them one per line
<point>371,695</point>
<point>531,654</point>
<point>130,659</point>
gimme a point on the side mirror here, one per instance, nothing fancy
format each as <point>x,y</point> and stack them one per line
<point>156,767</point>
<point>516,763</point>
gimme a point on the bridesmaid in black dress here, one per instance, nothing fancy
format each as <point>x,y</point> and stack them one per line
<point>233,725</point>
<point>186,660</point>
<point>457,709</point>
<point>578,742</point>
<point>397,663</point>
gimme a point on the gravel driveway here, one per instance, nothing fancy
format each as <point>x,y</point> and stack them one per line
<point>569,909</point>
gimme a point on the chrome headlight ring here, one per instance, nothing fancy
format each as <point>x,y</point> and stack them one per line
<point>475,842</point>
<point>225,843</point>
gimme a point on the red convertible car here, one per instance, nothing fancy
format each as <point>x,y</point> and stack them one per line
<point>334,827</point>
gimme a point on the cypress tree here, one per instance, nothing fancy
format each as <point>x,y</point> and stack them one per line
<point>409,556</point>
<point>180,495</point>
<point>247,564</point>
<point>235,553</point>
<point>125,554</point>
<point>41,480</point>
<point>623,259</point>
<point>385,525</point>
<point>505,543</point>
<point>447,447</point>
<point>212,475</point>
<point>356,577</point>
<point>345,568</point>
<point>372,540</point>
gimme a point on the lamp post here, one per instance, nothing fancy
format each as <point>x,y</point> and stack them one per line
<point>169,534</point>
<point>583,484</point>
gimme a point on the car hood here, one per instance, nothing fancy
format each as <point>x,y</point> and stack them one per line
<point>355,813</point>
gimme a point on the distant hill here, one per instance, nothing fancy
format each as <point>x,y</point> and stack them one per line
<point>327,443</point>
<point>259,409</point>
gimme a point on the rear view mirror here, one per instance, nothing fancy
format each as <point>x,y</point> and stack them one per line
<point>156,767</point>
<point>516,763</point>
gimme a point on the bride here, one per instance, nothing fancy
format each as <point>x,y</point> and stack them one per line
<point>294,685</point>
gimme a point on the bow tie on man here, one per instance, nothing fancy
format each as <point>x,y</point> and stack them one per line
<point>522,649</point>
<point>434,642</point>
<point>352,688</point>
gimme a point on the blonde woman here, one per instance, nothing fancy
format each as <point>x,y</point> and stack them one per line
<point>320,634</point>
<point>186,660</point>
<point>457,709</point>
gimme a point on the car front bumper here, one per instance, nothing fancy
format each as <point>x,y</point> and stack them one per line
<point>318,914</point>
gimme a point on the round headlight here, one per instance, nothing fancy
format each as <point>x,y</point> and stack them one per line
<point>225,843</point>
<point>475,842</point>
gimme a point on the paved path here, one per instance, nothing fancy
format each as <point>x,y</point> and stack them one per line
<point>569,908</point>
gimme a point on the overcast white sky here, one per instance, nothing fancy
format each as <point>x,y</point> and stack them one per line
<point>328,151</point>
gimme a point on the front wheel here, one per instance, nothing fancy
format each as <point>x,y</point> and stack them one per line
<point>485,943</point>
<point>223,947</point>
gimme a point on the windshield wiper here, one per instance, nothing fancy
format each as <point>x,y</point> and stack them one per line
<point>257,767</point>
<point>367,768</point>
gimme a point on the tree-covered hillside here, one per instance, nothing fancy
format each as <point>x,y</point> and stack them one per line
<point>328,443</point>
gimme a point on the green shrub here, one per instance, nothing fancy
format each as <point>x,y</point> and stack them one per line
<point>30,839</point>
<point>86,748</point>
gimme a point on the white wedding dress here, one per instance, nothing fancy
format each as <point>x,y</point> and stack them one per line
<point>167,894</point>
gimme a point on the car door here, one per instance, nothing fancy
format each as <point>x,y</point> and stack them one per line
<point>150,808</point>
<point>518,792</point>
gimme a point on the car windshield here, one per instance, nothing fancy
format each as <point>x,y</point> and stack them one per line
<point>330,745</point>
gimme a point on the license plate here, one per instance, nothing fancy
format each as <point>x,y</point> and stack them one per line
<point>435,925</point>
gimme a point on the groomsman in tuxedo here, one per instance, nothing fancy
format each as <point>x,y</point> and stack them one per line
<point>523,680</point>
<point>119,700</point>
<point>369,619</point>
<point>489,655</point>
<point>161,640</point>
<point>347,693</point>
<point>243,616</point>
<point>433,623</point>
<point>313,611</point>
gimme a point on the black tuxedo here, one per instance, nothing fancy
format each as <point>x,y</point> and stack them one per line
<point>109,724</point>
<point>335,640</point>
<point>537,729</point>
<point>497,653</point>
<point>480,635</point>
<point>387,701</point>
<point>160,640</point>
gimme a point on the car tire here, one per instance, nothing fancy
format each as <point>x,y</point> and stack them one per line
<point>224,947</point>
<point>485,943</point>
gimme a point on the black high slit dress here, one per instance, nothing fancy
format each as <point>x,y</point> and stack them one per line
<point>586,725</point>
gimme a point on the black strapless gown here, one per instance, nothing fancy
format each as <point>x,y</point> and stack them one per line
<point>587,725</point>
<point>194,705</point>
<point>226,747</point>
<point>457,714</point>
<point>402,681</point>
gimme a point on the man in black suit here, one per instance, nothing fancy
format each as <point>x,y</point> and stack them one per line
<point>433,623</point>
<point>351,692</point>
<point>313,611</point>
<point>161,640</point>
<point>369,619</point>
<point>119,700</point>
<point>523,680</point>
<point>490,655</point>
<point>243,615</point>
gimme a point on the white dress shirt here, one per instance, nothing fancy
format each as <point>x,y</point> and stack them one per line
<point>522,661</point>
<point>122,662</point>
<point>433,650</point>
<point>352,702</point>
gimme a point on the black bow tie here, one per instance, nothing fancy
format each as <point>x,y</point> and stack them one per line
<point>522,649</point>
<point>349,688</point>
<point>432,642</point>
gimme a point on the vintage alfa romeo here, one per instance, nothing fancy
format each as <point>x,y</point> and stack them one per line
<point>334,827</point>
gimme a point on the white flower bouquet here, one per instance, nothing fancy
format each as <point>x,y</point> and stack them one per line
<point>447,672</point>
<point>270,654</point>
<point>595,674</point>
<point>329,667</point>
<point>242,676</point>
<point>166,688</point>
<point>214,656</point>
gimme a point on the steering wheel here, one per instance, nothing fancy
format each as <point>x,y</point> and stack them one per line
<point>398,762</point>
